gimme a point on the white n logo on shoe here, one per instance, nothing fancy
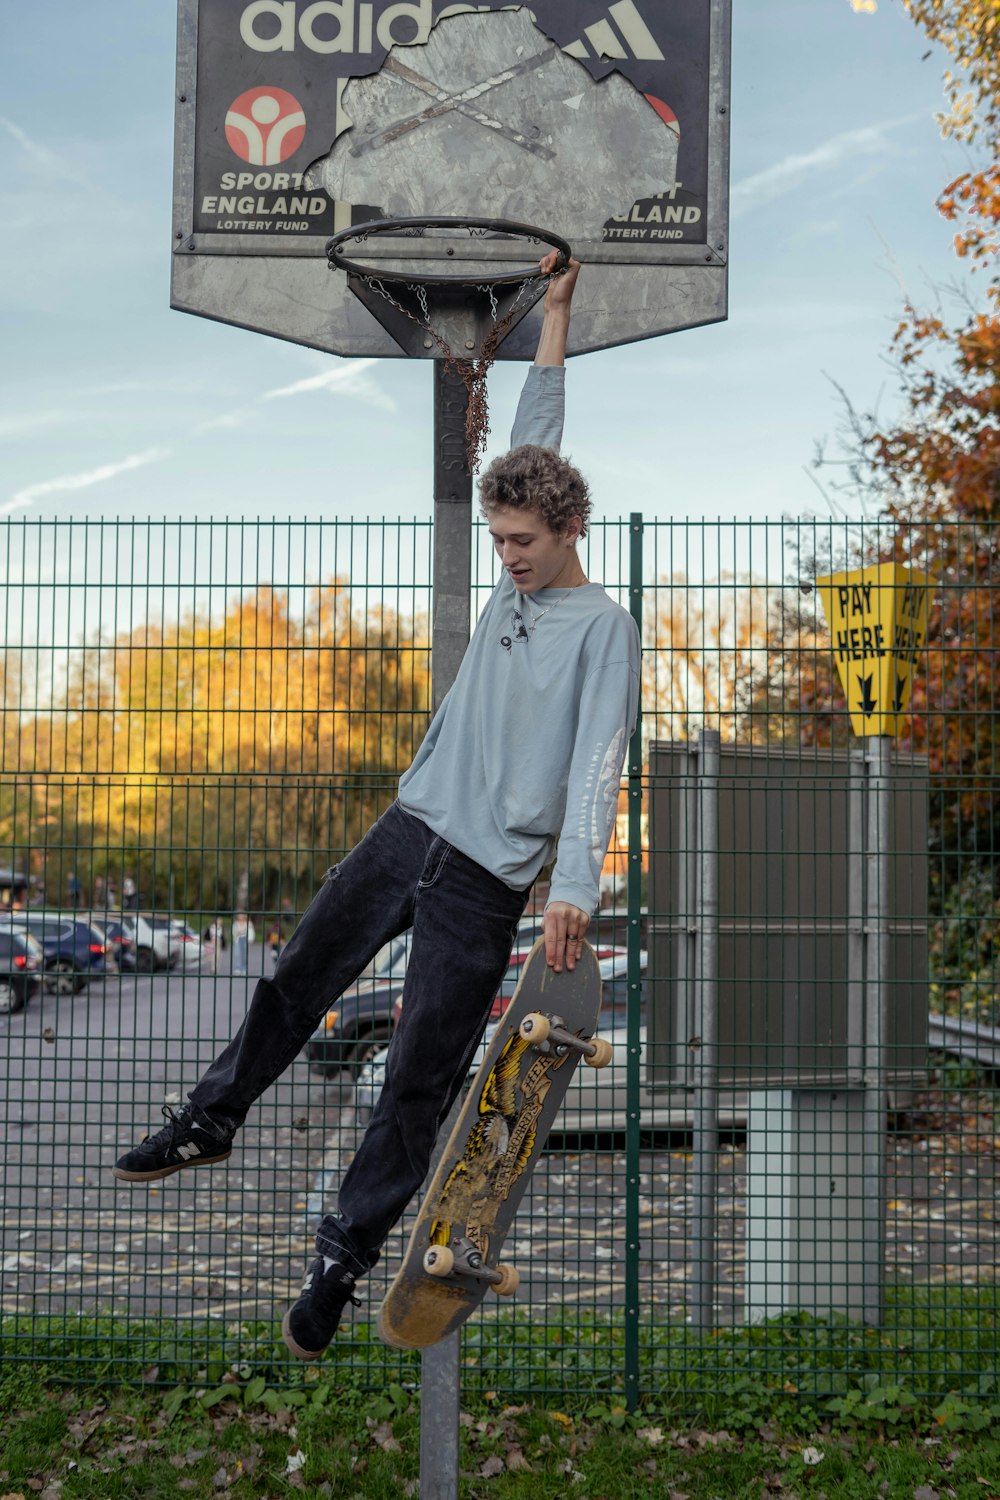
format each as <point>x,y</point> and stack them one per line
<point>188,1151</point>
<point>632,39</point>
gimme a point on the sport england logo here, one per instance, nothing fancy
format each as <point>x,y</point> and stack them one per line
<point>265,126</point>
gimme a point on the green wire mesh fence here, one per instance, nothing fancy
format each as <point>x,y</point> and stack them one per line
<point>785,1180</point>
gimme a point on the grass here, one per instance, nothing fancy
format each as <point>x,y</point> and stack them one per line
<point>107,1407</point>
<point>68,1444</point>
<point>934,1341</point>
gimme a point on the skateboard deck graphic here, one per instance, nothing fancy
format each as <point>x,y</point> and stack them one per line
<point>451,1261</point>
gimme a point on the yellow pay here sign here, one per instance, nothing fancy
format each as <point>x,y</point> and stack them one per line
<point>878,621</point>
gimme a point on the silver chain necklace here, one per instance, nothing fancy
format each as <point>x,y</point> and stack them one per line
<point>533,619</point>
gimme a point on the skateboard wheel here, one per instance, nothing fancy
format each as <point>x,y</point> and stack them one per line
<point>601,1055</point>
<point>439,1261</point>
<point>509,1281</point>
<point>535,1028</point>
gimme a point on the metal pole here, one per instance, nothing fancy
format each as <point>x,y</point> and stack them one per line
<point>440,1364</point>
<point>857,795</point>
<point>878,766</point>
<point>634,1018</point>
<point>705,1143</point>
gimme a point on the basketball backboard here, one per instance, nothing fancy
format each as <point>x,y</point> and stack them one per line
<point>603,120</point>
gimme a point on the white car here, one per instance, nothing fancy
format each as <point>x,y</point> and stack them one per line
<point>151,937</point>
<point>186,947</point>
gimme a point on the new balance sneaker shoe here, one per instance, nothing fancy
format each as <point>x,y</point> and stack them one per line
<point>310,1323</point>
<point>181,1143</point>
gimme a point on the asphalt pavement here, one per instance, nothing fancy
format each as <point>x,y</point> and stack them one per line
<point>87,1077</point>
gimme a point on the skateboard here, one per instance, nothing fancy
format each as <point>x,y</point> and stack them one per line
<point>452,1259</point>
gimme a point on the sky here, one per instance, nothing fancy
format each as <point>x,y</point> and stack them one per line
<point>115,406</point>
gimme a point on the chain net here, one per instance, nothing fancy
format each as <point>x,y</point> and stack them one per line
<point>472,372</point>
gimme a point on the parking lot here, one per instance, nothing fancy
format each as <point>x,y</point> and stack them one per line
<point>85,1077</point>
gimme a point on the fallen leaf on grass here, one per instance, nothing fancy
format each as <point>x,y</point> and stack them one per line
<point>492,1467</point>
<point>220,1479</point>
<point>382,1435</point>
<point>516,1461</point>
<point>651,1435</point>
<point>926,1492</point>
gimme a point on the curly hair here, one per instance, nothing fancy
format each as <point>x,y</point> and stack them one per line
<point>539,480</point>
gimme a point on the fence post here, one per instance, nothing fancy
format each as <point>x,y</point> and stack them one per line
<point>878,772</point>
<point>705,1134</point>
<point>440,1391</point>
<point>634,1017</point>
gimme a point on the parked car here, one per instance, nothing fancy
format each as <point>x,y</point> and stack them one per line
<point>151,936</point>
<point>363,1019</point>
<point>596,1099</point>
<point>117,939</point>
<point>73,951</point>
<point>186,947</point>
<point>20,967</point>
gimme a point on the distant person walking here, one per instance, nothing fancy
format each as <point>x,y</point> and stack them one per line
<point>274,938</point>
<point>73,889</point>
<point>130,895</point>
<point>243,935</point>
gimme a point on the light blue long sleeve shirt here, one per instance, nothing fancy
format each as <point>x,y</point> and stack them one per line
<point>524,757</point>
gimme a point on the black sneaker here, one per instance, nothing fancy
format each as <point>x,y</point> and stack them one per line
<point>310,1323</point>
<point>181,1143</point>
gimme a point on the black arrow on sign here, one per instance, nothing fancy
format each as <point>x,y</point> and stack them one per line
<point>868,703</point>
<point>897,702</point>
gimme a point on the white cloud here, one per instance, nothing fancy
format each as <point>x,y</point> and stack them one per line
<point>40,155</point>
<point>14,425</point>
<point>67,483</point>
<point>225,422</point>
<point>348,379</point>
<point>788,174</point>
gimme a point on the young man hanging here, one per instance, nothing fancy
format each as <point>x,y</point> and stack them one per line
<point>523,760</point>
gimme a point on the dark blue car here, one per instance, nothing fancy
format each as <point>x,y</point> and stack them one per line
<point>73,952</point>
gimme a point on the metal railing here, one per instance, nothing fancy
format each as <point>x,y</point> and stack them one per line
<point>788,1174</point>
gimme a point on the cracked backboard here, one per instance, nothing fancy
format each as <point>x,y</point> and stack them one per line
<point>605,122</point>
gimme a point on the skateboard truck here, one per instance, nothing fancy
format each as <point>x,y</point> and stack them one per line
<point>548,1034</point>
<point>463,1258</point>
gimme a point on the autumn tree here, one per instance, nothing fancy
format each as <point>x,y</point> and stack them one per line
<point>930,480</point>
<point>215,758</point>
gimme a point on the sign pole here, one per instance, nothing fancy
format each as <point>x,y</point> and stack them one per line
<point>878,771</point>
<point>705,1133</point>
<point>878,621</point>
<point>440,1391</point>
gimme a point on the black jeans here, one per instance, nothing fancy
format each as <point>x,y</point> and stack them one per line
<point>464,923</point>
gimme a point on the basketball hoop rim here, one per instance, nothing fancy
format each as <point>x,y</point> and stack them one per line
<point>340,262</point>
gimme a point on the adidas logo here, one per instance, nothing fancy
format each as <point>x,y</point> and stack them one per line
<point>360,30</point>
<point>633,37</point>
